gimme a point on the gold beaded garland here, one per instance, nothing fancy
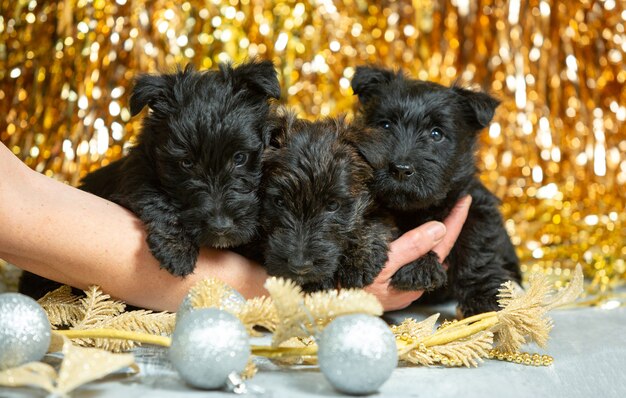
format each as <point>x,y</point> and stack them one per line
<point>522,358</point>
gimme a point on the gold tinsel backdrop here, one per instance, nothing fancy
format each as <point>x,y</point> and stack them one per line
<point>555,153</point>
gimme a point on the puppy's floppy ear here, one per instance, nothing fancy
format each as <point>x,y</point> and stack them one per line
<point>278,126</point>
<point>367,80</point>
<point>483,105</point>
<point>257,76</point>
<point>273,136</point>
<point>341,125</point>
<point>154,91</point>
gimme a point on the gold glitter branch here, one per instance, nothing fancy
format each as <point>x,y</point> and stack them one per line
<point>98,311</point>
<point>208,293</point>
<point>258,311</point>
<point>523,319</point>
<point>103,312</point>
<point>302,315</point>
<point>97,307</point>
<point>62,307</point>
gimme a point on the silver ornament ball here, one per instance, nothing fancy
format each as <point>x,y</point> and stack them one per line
<point>24,330</point>
<point>231,301</point>
<point>207,345</point>
<point>357,353</point>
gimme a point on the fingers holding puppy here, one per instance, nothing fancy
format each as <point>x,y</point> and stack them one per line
<point>454,224</point>
<point>431,236</point>
<point>407,248</point>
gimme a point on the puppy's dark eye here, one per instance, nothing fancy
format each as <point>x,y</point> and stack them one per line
<point>186,163</point>
<point>386,124</point>
<point>436,135</point>
<point>279,202</point>
<point>332,206</point>
<point>240,158</point>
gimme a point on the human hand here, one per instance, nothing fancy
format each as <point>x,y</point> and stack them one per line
<point>436,236</point>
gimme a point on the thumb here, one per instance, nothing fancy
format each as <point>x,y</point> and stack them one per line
<point>413,245</point>
<point>454,224</point>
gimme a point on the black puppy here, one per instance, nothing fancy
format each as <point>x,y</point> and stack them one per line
<point>420,138</point>
<point>317,218</point>
<point>194,174</point>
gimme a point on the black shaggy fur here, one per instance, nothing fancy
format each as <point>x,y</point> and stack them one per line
<point>420,138</point>
<point>317,209</point>
<point>194,174</point>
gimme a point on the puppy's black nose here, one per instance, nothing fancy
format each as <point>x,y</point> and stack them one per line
<point>401,170</point>
<point>301,267</point>
<point>221,224</point>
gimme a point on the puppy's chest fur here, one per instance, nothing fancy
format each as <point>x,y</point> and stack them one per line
<point>407,220</point>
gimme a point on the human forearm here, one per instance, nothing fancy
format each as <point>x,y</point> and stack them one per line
<point>73,237</point>
<point>150,287</point>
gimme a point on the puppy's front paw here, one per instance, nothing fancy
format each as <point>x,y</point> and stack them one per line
<point>425,273</point>
<point>478,304</point>
<point>365,265</point>
<point>376,259</point>
<point>176,253</point>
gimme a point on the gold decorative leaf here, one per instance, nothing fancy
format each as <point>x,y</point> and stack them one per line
<point>79,366</point>
<point>523,315</point>
<point>417,357</point>
<point>250,370</point>
<point>259,311</point>
<point>328,305</point>
<point>468,352</point>
<point>288,302</point>
<point>133,321</point>
<point>101,312</point>
<point>97,307</point>
<point>62,307</point>
<point>33,374</point>
<point>412,338</point>
<point>303,315</point>
<point>208,293</point>
<point>568,294</point>
<point>416,330</point>
<point>212,292</point>
<point>141,321</point>
<point>523,318</point>
<point>287,295</point>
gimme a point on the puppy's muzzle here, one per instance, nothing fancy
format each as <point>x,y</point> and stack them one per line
<point>300,266</point>
<point>221,225</point>
<point>401,171</point>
